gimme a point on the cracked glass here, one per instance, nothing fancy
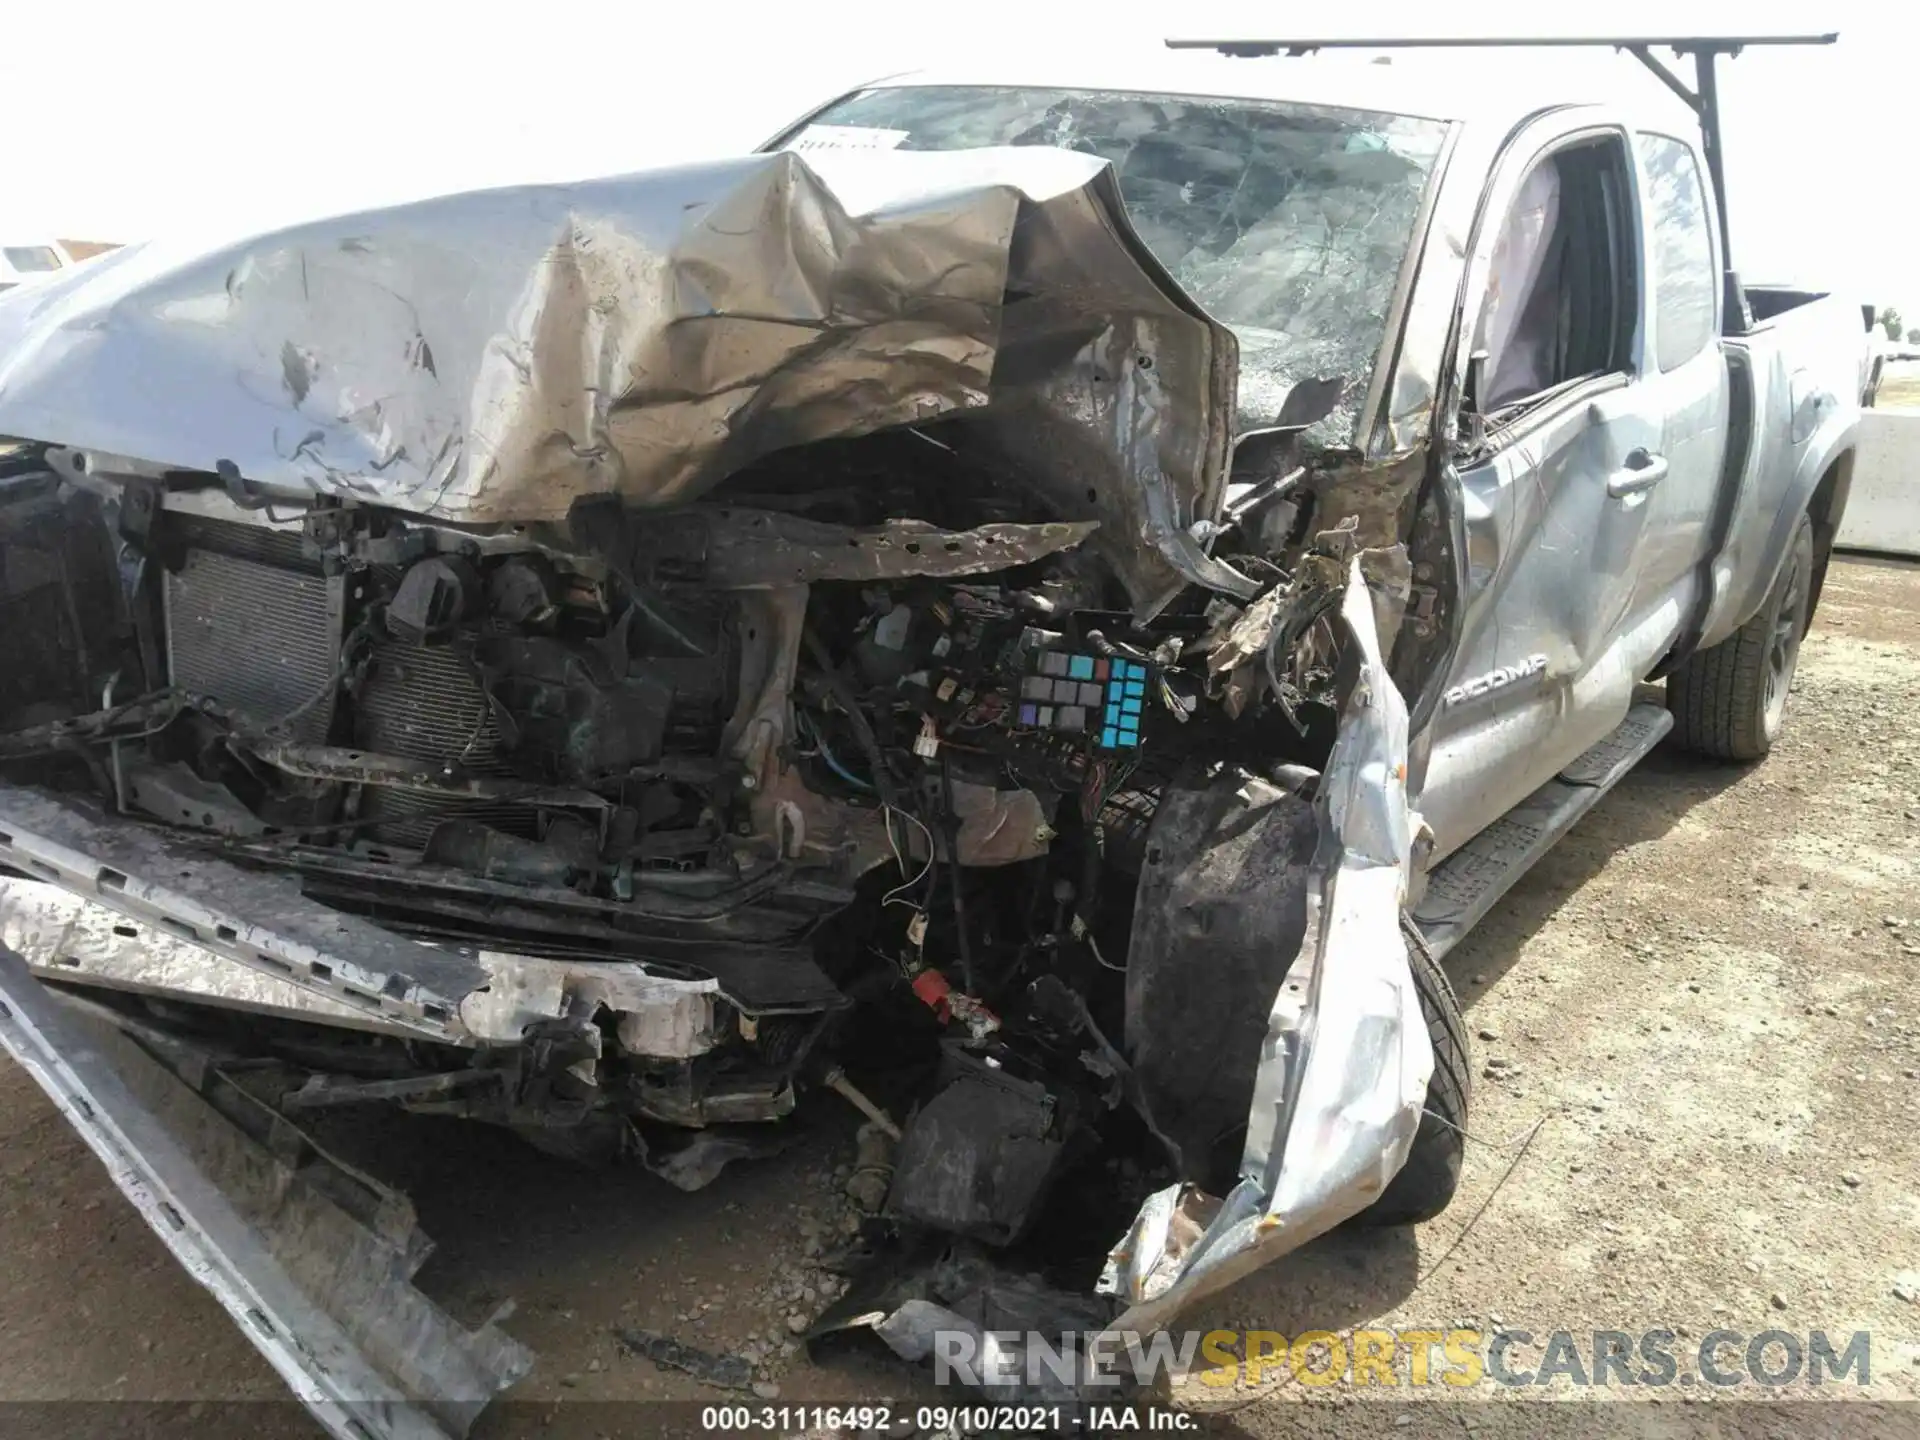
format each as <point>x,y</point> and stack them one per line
<point>1288,222</point>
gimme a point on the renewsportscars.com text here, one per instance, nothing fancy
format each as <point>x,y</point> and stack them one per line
<point>1408,1357</point>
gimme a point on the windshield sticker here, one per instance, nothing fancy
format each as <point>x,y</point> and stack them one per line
<point>846,137</point>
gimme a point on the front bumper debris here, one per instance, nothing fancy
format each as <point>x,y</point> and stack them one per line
<point>1338,1095</point>
<point>1338,1092</point>
<point>1343,1077</point>
<point>313,1261</point>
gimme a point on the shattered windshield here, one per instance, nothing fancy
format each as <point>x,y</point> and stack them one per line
<point>1287,222</point>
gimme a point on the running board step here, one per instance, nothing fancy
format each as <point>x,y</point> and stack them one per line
<point>1467,884</point>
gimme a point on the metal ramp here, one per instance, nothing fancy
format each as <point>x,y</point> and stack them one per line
<point>1466,885</point>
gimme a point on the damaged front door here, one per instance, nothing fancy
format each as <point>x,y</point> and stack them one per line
<point>1554,493</point>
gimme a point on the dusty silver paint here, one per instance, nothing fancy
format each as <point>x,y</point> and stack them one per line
<point>1800,367</point>
<point>1584,525</point>
<point>1343,1075</point>
<point>323,1291</point>
<point>491,358</point>
<point>1534,518</point>
<point>63,936</point>
<point>1495,680</point>
<point>262,921</point>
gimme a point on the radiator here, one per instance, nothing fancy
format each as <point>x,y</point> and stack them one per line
<point>422,703</point>
<point>252,623</point>
<point>260,638</point>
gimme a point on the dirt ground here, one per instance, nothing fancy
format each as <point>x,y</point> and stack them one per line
<point>1703,999</point>
<point>1900,389</point>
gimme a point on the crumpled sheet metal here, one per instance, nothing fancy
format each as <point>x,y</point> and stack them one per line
<point>259,920</point>
<point>326,1299</point>
<point>663,1017</point>
<point>493,357</point>
<point>1000,1356</point>
<point>63,936</point>
<point>1343,1076</point>
<point>924,1297</point>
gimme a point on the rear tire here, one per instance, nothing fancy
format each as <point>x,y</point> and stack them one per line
<point>1730,702</point>
<point>1425,1185</point>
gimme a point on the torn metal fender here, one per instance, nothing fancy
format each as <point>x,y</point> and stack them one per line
<point>1342,1078</point>
<point>322,1289</point>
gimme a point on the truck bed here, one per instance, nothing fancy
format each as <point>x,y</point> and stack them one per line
<point>1795,377</point>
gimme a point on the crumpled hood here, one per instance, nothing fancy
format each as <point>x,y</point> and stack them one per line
<point>493,357</point>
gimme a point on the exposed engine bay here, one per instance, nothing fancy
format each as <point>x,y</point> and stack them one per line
<point>719,807</point>
<point>752,750</point>
<point>917,710</point>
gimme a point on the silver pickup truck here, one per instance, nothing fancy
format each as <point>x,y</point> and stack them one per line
<point>1032,613</point>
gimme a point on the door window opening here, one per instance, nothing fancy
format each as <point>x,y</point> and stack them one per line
<point>1563,290</point>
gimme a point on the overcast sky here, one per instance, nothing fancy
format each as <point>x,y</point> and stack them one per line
<point>133,119</point>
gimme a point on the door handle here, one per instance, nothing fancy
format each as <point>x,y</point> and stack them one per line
<point>1643,471</point>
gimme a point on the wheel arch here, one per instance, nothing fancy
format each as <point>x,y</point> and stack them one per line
<point>1826,507</point>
